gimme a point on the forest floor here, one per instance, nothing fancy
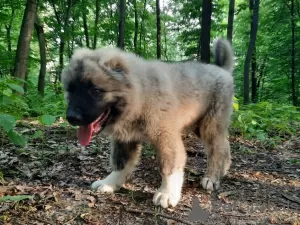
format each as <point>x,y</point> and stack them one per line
<point>263,186</point>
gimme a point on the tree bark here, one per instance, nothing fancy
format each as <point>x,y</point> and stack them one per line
<point>24,39</point>
<point>85,25</point>
<point>136,26</point>
<point>142,31</point>
<point>42,45</point>
<point>230,20</point>
<point>158,31</point>
<point>261,72</point>
<point>121,44</point>
<point>254,7</point>
<point>294,97</point>
<point>253,77</point>
<point>205,31</point>
<point>96,24</point>
<point>8,30</point>
<point>62,36</point>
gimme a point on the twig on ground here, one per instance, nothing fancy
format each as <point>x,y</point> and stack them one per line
<point>158,214</point>
<point>41,220</point>
<point>291,198</point>
<point>71,219</point>
<point>242,215</point>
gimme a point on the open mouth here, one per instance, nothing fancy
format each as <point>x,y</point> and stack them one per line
<point>86,132</point>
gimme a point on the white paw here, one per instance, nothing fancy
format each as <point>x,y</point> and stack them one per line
<point>169,192</point>
<point>103,186</point>
<point>165,199</point>
<point>210,184</point>
<point>111,183</point>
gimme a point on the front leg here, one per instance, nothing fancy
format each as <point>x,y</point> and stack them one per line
<point>123,158</point>
<point>172,159</point>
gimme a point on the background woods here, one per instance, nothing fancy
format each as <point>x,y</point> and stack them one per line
<point>38,37</point>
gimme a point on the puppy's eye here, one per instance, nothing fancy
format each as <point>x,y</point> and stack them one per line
<point>96,92</point>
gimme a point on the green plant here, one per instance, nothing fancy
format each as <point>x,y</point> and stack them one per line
<point>266,121</point>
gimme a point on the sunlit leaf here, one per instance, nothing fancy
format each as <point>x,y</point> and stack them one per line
<point>16,138</point>
<point>7,122</point>
<point>47,119</point>
<point>15,198</point>
<point>16,87</point>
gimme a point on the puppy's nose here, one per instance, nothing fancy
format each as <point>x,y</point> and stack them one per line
<point>74,117</point>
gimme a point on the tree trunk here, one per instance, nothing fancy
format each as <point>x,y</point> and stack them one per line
<point>96,24</point>
<point>8,30</point>
<point>142,31</point>
<point>42,44</point>
<point>254,6</point>
<point>122,4</point>
<point>230,20</point>
<point>294,97</point>
<point>158,31</point>
<point>136,26</point>
<point>85,25</point>
<point>205,31</point>
<point>253,77</point>
<point>261,71</point>
<point>24,39</point>
<point>62,36</point>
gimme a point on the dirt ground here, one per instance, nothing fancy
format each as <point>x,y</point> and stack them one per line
<point>263,186</point>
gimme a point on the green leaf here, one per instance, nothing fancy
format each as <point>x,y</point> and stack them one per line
<point>7,122</point>
<point>16,87</point>
<point>261,136</point>
<point>253,122</point>
<point>7,92</point>
<point>240,118</point>
<point>16,138</point>
<point>15,198</point>
<point>47,119</point>
<point>37,134</point>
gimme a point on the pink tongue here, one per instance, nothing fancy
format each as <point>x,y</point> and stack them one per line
<point>85,134</point>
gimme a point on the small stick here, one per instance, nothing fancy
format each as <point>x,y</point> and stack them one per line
<point>158,214</point>
<point>241,215</point>
<point>41,220</point>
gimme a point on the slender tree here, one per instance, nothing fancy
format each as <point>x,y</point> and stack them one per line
<point>294,97</point>
<point>22,53</point>
<point>230,20</point>
<point>158,31</point>
<point>8,29</point>
<point>63,22</point>
<point>122,4</point>
<point>136,26</point>
<point>253,77</point>
<point>96,24</point>
<point>85,24</point>
<point>142,30</point>
<point>205,31</point>
<point>254,7</point>
<point>42,46</point>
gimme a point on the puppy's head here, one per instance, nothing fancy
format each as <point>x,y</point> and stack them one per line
<point>96,86</point>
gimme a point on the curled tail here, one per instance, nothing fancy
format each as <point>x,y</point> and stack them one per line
<point>223,54</point>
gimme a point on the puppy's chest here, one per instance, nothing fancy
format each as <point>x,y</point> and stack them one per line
<point>130,130</point>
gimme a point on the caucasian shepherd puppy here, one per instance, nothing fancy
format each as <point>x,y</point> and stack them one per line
<point>133,100</point>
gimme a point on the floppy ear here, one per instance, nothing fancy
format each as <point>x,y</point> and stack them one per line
<point>117,65</point>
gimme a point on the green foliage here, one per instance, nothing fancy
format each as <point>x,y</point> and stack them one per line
<point>15,198</point>
<point>266,121</point>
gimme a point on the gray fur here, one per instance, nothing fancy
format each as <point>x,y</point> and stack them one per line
<point>162,100</point>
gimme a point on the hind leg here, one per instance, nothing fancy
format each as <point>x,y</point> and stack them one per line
<point>214,137</point>
<point>123,159</point>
